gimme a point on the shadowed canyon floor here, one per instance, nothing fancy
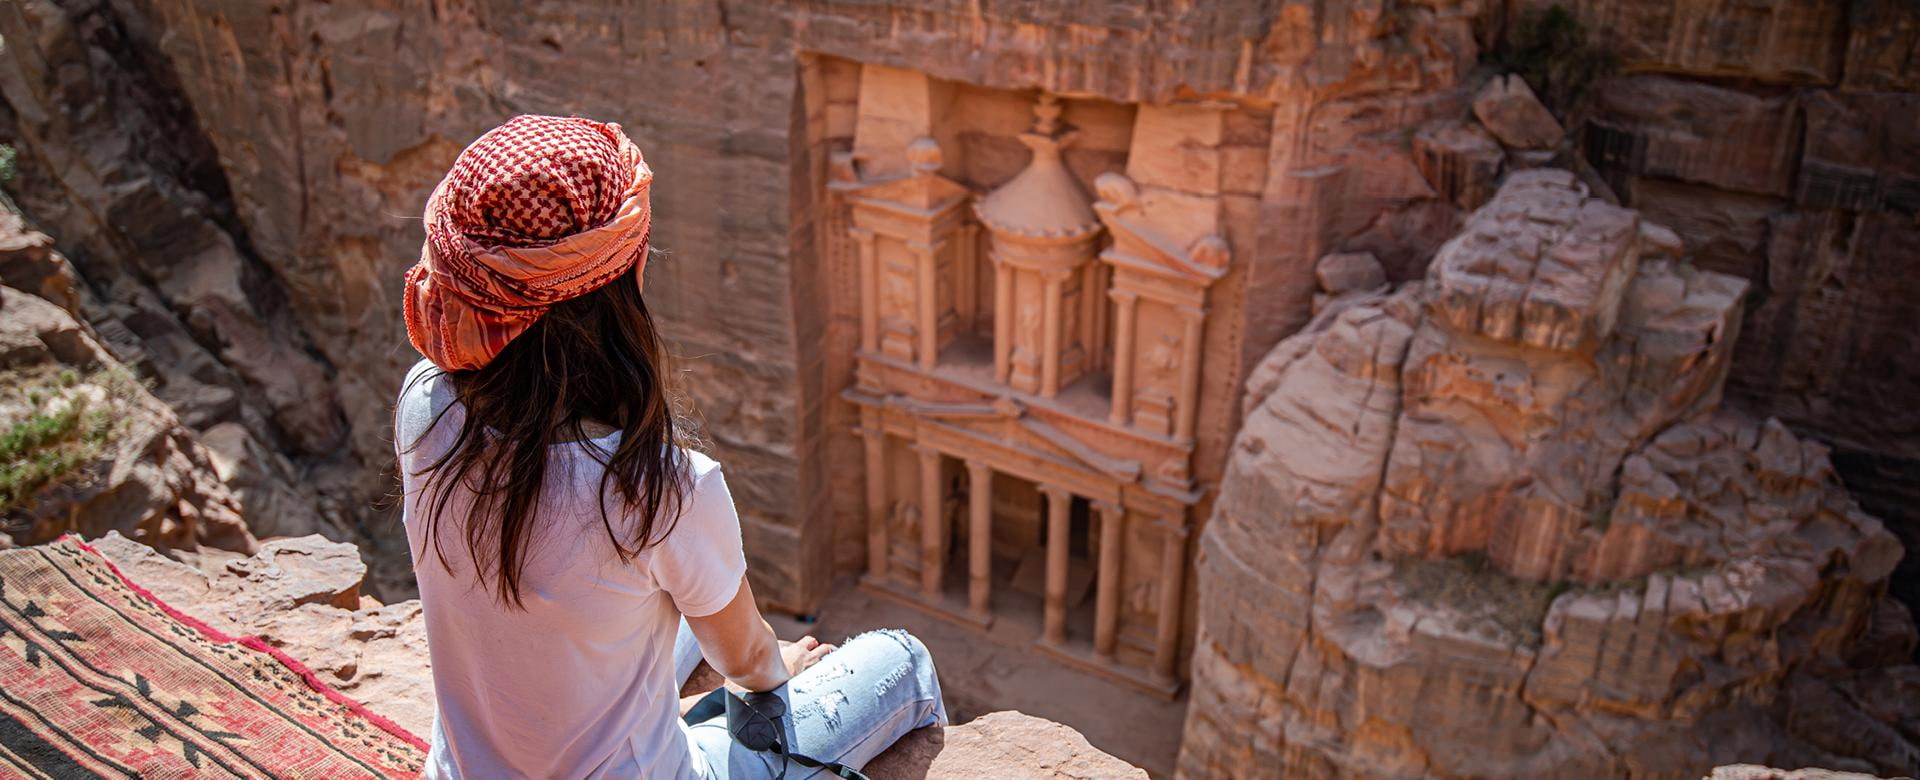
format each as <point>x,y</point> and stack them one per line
<point>1002,670</point>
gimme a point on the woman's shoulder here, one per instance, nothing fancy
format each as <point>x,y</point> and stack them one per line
<point>424,398</point>
<point>699,465</point>
<point>419,383</point>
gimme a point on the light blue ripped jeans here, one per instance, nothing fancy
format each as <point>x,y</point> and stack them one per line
<point>848,708</point>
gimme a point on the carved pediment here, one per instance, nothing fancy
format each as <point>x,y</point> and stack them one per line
<point>1120,469</point>
<point>1142,240</point>
<point>923,189</point>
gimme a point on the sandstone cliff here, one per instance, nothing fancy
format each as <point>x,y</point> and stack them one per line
<point>1783,145</point>
<point>239,182</point>
<point>1495,524</point>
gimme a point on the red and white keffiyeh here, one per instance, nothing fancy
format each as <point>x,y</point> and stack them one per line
<point>536,211</point>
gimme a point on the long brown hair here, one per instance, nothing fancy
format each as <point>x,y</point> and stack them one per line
<point>594,358</point>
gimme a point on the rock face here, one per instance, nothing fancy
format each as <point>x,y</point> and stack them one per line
<point>135,468</point>
<point>1495,524</point>
<point>112,163</point>
<point>242,183</point>
<point>1795,164</point>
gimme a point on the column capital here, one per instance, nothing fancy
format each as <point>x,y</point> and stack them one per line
<point>1120,295</point>
<point>1057,492</point>
<point>1109,509</point>
<point>870,432</point>
<point>926,246</point>
<point>978,467</point>
<point>1174,525</point>
<point>1192,313</point>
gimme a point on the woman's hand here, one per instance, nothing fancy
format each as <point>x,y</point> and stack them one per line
<point>801,655</point>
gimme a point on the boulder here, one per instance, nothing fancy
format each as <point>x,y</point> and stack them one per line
<point>29,263</point>
<point>1008,744</point>
<point>1757,772</point>
<point>1460,159</point>
<point>1347,272</point>
<point>1509,110</point>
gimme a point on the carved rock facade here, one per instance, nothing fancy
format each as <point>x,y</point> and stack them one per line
<point>1028,372</point>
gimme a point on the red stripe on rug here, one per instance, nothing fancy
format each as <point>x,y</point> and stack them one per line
<point>256,643</point>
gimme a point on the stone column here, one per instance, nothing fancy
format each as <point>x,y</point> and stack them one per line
<point>1106,606</point>
<point>1050,334</point>
<point>928,310</point>
<point>1125,301</point>
<point>1059,529</point>
<point>1173,563</point>
<point>1096,336</point>
<point>979,539</point>
<point>966,271</point>
<point>1002,320</point>
<point>932,525</point>
<point>876,446</point>
<point>869,292</point>
<point>1189,373</point>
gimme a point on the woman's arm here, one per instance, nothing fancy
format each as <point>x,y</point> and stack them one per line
<point>740,645</point>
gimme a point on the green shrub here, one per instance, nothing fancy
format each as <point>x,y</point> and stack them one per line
<point>61,432</point>
<point>1469,585</point>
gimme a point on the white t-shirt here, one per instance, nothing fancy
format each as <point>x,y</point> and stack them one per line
<point>581,683</point>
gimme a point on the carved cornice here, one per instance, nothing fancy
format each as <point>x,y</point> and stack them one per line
<point>922,191</point>
<point>1139,244</point>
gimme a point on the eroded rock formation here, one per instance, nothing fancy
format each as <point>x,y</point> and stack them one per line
<point>90,450</point>
<point>1783,142</point>
<point>111,162</point>
<point>1496,524</point>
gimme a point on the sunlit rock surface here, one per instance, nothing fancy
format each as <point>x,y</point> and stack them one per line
<point>1495,523</point>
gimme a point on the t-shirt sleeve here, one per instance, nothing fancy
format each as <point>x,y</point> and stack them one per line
<point>701,561</point>
<point>412,410</point>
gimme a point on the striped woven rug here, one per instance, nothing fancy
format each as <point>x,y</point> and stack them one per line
<point>100,679</point>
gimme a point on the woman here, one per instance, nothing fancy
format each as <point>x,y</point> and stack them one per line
<point>576,558</point>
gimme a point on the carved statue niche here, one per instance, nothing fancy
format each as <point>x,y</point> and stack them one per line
<point>1042,236</point>
<point>914,240</point>
<point>1160,294</point>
